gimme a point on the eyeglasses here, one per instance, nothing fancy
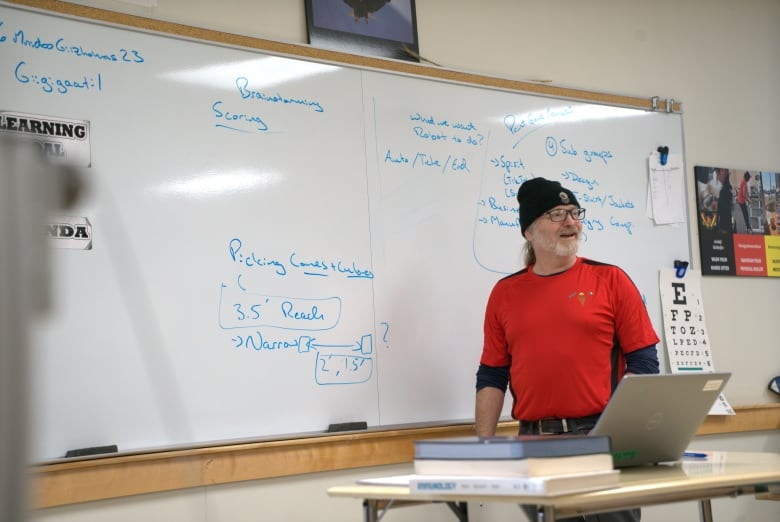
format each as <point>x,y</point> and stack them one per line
<point>559,214</point>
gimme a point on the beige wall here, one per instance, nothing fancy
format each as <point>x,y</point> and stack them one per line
<point>721,58</point>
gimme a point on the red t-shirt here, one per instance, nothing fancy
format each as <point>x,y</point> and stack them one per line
<point>557,334</point>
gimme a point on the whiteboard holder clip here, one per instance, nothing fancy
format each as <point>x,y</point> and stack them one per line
<point>669,105</point>
<point>680,267</point>
<point>654,101</point>
<point>663,155</point>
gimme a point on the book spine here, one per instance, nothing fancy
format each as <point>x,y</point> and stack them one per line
<point>478,486</point>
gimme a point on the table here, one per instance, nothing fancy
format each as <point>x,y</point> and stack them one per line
<point>721,474</point>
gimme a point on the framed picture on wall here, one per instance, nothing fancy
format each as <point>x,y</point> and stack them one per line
<point>370,27</point>
<point>739,224</point>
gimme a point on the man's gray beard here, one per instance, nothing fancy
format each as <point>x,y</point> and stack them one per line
<point>562,249</point>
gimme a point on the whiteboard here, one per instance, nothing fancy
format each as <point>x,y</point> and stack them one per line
<point>280,243</point>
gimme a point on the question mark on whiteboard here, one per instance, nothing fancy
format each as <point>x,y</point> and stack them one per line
<point>387,329</point>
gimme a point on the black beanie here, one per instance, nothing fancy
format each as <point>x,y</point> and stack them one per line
<point>538,195</point>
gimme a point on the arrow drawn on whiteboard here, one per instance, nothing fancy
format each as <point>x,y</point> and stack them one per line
<point>526,135</point>
<point>363,345</point>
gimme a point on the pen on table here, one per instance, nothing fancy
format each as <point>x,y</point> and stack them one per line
<point>695,455</point>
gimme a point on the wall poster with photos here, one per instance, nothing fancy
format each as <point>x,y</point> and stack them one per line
<point>739,224</point>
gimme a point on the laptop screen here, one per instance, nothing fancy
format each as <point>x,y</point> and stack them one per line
<point>653,418</point>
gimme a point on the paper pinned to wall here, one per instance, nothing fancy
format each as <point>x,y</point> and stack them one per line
<point>666,189</point>
<point>687,343</point>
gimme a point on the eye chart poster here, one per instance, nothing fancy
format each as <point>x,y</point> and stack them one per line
<point>687,342</point>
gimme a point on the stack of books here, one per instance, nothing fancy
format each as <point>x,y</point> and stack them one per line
<point>515,465</point>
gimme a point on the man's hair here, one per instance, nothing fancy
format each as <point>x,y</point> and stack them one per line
<point>529,256</point>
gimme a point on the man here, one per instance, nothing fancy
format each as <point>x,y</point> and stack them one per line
<point>562,331</point>
<point>743,198</point>
<point>725,198</point>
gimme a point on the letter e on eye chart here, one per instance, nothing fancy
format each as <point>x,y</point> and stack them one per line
<point>685,331</point>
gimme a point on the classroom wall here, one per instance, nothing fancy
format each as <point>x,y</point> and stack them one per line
<point>719,57</point>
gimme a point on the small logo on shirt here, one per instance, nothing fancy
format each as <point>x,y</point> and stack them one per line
<point>581,296</point>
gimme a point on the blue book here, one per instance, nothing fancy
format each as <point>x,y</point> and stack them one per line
<point>510,447</point>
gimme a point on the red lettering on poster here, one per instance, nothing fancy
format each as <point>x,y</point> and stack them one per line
<point>750,255</point>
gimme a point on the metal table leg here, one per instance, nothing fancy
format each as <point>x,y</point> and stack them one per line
<point>374,510</point>
<point>461,510</point>
<point>545,514</point>
<point>705,510</point>
<point>370,508</point>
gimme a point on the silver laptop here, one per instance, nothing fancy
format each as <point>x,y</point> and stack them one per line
<point>652,418</point>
